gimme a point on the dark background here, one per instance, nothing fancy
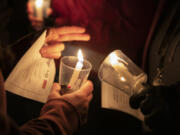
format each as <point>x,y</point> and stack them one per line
<point>13,20</point>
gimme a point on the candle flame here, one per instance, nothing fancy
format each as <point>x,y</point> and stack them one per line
<point>39,3</point>
<point>80,56</point>
<point>122,79</point>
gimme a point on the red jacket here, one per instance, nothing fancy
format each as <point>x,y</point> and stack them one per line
<point>113,24</point>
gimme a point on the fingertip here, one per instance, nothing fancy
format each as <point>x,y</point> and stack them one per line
<point>63,47</point>
<point>57,56</point>
<point>87,87</point>
<point>90,97</point>
<point>49,11</point>
<point>90,84</point>
<point>59,47</point>
<point>83,29</point>
<point>78,29</point>
<point>43,50</point>
<point>56,86</point>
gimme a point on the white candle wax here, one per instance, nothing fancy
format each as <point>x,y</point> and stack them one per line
<point>119,65</point>
<point>77,70</point>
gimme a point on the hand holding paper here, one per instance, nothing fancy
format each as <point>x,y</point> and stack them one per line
<point>56,36</point>
<point>33,75</point>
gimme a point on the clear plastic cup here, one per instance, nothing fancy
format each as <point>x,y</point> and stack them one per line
<point>70,77</point>
<point>120,72</point>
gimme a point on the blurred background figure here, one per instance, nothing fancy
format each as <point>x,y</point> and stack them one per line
<point>39,12</point>
<point>15,21</point>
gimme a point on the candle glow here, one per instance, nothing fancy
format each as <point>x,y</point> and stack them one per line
<point>79,64</point>
<point>39,3</point>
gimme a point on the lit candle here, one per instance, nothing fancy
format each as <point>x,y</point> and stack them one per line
<point>76,72</point>
<point>39,9</point>
<point>120,66</point>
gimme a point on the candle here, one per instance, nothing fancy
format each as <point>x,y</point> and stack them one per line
<point>119,71</point>
<point>77,70</point>
<point>120,66</point>
<point>39,9</point>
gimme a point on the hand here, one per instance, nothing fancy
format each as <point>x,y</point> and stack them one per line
<point>160,105</point>
<point>35,22</point>
<point>56,37</point>
<point>80,99</point>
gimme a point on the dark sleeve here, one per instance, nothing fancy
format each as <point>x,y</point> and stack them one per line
<point>7,126</point>
<point>57,117</point>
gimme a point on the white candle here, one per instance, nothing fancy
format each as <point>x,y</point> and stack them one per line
<point>77,70</point>
<point>39,9</point>
<point>120,66</point>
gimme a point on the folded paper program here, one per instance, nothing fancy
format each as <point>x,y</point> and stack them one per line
<point>33,75</point>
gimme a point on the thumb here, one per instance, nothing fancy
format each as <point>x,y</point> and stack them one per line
<point>136,99</point>
<point>55,88</point>
<point>86,88</point>
<point>54,93</point>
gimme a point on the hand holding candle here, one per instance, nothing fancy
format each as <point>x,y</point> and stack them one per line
<point>38,10</point>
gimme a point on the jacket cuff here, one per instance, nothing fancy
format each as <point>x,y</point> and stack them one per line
<point>63,114</point>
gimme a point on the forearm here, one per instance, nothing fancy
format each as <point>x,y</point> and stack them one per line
<point>57,117</point>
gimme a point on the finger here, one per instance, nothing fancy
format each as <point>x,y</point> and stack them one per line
<point>52,48</point>
<point>31,18</point>
<point>54,93</point>
<point>74,37</point>
<point>90,97</point>
<point>86,89</point>
<point>29,8</point>
<point>37,24</point>
<point>136,99</point>
<point>52,51</point>
<point>55,55</point>
<point>70,29</point>
<point>146,106</point>
<point>49,11</point>
<point>55,88</point>
<point>34,20</point>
